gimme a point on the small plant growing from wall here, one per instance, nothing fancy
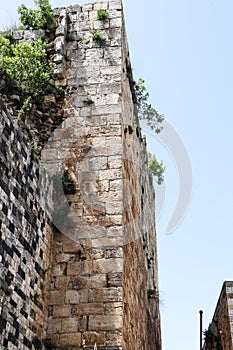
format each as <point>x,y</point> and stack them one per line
<point>145,110</point>
<point>156,168</point>
<point>88,101</point>
<point>102,14</point>
<point>41,18</point>
<point>97,35</point>
<point>151,293</point>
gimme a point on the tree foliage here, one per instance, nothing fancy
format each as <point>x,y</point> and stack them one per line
<point>41,18</point>
<point>26,65</point>
<point>156,168</point>
<point>145,110</point>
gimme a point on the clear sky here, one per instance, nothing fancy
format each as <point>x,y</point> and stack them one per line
<point>184,51</point>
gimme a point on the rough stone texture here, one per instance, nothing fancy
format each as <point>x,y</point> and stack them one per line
<point>220,333</point>
<point>103,283</point>
<point>25,241</point>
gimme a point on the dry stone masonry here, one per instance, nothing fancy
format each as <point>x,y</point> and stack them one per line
<point>91,276</point>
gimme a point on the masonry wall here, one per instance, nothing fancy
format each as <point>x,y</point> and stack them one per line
<point>104,288</point>
<point>220,332</point>
<point>25,241</point>
<point>101,284</point>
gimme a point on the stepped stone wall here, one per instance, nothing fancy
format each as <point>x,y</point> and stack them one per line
<point>102,281</point>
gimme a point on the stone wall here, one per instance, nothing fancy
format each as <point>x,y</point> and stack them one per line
<point>220,332</point>
<point>104,287</point>
<point>101,285</point>
<point>25,241</point>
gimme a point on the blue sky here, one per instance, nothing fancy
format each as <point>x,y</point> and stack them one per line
<point>184,51</point>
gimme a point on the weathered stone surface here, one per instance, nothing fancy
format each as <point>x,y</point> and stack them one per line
<point>56,297</point>
<point>61,311</point>
<point>114,338</point>
<point>92,338</point>
<point>69,325</point>
<point>107,265</point>
<point>70,339</point>
<point>105,295</point>
<point>105,323</point>
<point>88,309</point>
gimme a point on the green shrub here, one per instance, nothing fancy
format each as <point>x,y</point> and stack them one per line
<point>41,18</point>
<point>26,65</point>
<point>102,14</point>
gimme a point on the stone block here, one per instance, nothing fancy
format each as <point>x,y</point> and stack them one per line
<point>116,185</point>
<point>83,296</point>
<point>70,339</point>
<point>113,309</point>
<point>100,5</point>
<point>88,309</point>
<point>107,265</point>
<point>74,268</point>
<point>114,207</point>
<point>115,5</point>
<point>87,266</point>
<point>92,338</point>
<point>101,24</point>
<point>115,162</point>
<point>59,71</point>
<point>106,242</point>
<point>56,298</point>
<point>110,220</point>
<point>94,53</point>
<point>97,281</point>
<point>61,311</point>
<point>61,282</point>
<point>112,52</point>
<point>79,282</point>
<point>109,174</point>
<point>69,325</point>
<point>72,297</point>
<point>116,22</point>
<point>113,253</point>
<point>114,338</point>
<point>105,323</point>
<point>98,163</point>
<point>59,45</point>
<point>105,295</point>
<point>87,7</point>
<point>115,279</point>
<point>53,325</point>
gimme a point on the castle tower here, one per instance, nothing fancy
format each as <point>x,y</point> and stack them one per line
<point>102,279</point>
